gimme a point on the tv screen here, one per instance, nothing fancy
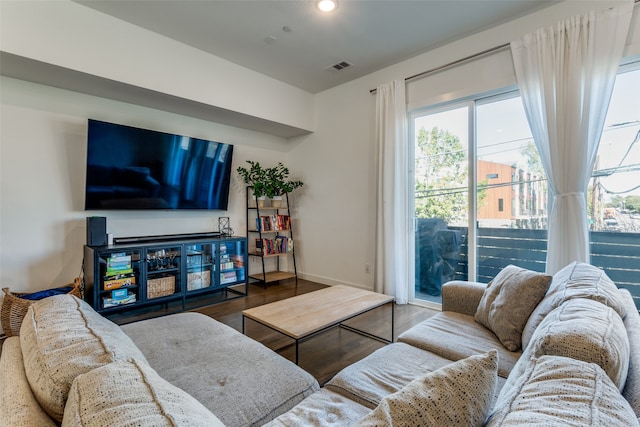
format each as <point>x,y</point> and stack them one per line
<point>133,168</point>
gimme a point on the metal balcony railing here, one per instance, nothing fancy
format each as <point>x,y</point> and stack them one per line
<point>618,254</point>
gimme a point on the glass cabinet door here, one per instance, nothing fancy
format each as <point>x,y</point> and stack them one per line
<point>163,271</point>
<point>119,278</point>
<point>200,266</point>
<point>231,257</point>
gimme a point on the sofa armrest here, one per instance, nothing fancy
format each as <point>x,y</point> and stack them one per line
<point>462,296</point>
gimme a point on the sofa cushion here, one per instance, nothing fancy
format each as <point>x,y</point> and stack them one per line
<point>508,301</point>
<point>557,391</point>
<point>385,371</point>
<point>128,393</point>
<point>456,336</point>
<point>18,405</point>
<point>240,380</point>
<point>631,322</point>
<point>324,408</point>
<point>576,280</point>
<point>585,330</point>
<point>63,337</point>
<point>459,394</point>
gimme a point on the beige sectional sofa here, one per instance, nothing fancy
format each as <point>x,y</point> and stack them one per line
<point>72,366</point>
<point>580,365</point>
<point>525,350</point>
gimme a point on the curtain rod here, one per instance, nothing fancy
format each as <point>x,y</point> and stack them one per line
<point>459,61</point>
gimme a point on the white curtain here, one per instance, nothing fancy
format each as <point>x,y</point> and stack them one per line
<point>566,74</point>
<point>392,219</point>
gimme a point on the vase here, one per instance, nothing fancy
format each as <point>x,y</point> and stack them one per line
<point>276,202</point>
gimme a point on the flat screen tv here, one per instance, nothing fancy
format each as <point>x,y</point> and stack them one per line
<point>133,168</point>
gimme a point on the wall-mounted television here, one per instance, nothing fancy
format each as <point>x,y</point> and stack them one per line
<point>133,168</point>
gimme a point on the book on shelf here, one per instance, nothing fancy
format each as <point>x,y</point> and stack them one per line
<point>118,271</point>
<point>226,265</point>
<point>119,257</point>
<point>119,265</point>
<point>116,282</point>
<point>278,222</point>
<point>278,245</point>
<point>107,302</point>
<point>228,277</point>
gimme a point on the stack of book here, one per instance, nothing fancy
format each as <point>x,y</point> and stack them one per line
<point>119,274</point>
<point>278,245</point>
<point>228,277</point>
<point>278,222</point>
<point>115,300</point>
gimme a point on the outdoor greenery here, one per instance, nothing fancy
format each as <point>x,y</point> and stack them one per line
<point>441,176</point>
<point>268,182</point>
<point>628,203</point>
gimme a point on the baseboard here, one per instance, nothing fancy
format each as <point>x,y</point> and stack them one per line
<point>331,282</point>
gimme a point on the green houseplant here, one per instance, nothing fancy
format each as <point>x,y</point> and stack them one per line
<point>254,176</point>
<point>268,182</point>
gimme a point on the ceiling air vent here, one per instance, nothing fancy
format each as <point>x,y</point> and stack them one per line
<point>339,66</point>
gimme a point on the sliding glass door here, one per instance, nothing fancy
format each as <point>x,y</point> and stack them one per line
<point>480,198</point>
<point>441,202</point>
<point>511,196</point>
<point>481,194</point>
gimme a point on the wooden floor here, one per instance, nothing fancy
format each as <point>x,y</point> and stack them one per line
<point>325,354</point>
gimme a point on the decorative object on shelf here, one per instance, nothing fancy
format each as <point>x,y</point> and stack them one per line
<point>15,305</point>
<point>224,226</point>
<point>161,287</point>
<point>268,182</point>
<point>276,201</point>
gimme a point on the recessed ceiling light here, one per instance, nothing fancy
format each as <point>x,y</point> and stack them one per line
<point>326,5</point>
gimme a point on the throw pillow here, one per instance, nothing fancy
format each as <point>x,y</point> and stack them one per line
<point>128,393</point>
<point>508,301</point>
<point>459,394</point>
<point>558,391</point>
<point>62,337</point>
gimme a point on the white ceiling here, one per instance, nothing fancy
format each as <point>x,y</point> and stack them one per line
<point>370,34</point>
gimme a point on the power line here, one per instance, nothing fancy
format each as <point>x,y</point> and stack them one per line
<point>619,192</point>
<point>458,190</point>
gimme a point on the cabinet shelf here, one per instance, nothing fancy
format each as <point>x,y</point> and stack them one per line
<point>163,271</point>
<point>273,276</point>
<point>269,208</point>
<point>199,266</point>
<point>258,254</point>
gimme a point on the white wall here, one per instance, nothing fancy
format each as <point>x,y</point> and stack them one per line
<point>42,160</point>
<point>337,221</point>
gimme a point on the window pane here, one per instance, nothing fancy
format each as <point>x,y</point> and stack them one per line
<point>613,197</point>
<point>512,191</point>
<point>441,199</point>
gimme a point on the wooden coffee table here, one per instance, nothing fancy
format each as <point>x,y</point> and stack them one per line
<point>304,316</point>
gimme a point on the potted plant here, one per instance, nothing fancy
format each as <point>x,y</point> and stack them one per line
<point>255,176</point>
<point>272,183</point>
<point>278,184</point>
